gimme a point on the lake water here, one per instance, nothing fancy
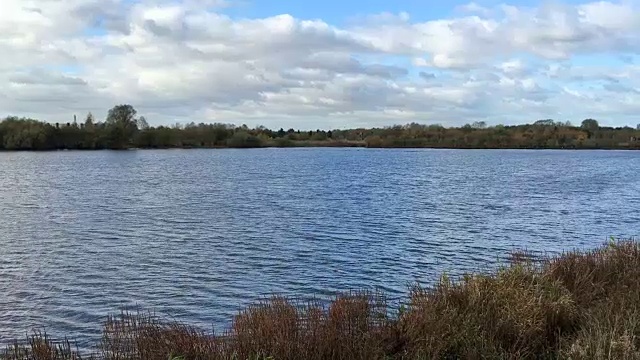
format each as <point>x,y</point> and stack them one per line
<point>197,234</point>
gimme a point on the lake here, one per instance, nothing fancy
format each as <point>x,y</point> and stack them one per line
<point>197,234</point>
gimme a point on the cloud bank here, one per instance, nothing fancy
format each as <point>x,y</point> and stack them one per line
<point>188,61</point>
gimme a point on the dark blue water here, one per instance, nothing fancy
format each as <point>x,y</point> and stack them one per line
<point>196,234</point>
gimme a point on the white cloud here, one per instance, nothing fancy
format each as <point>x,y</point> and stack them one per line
<point>475,8</point>
<point>187,61</point>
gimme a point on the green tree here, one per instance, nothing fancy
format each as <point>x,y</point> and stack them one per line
<point>122,125</point>
<point>590,124</point>
<point>123,115</point>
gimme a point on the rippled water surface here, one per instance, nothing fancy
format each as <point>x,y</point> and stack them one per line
<point>196,234</point>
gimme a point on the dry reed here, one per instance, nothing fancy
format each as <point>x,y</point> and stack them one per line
<point>580,305</point>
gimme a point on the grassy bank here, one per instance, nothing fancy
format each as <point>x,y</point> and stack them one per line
<point>581,305</point>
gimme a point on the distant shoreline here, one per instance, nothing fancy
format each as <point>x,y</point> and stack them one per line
<point>123,130</point>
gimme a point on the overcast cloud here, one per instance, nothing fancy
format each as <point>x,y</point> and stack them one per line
<point>182,61</point>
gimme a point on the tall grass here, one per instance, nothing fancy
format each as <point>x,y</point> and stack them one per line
<point>580,305</point>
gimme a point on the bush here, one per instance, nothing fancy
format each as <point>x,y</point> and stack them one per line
<point>517,312</point>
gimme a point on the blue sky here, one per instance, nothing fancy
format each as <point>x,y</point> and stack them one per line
<point>340,11</point>
<point>260,62</point>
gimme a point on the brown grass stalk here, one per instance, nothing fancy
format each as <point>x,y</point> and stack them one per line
<point>580,305</point>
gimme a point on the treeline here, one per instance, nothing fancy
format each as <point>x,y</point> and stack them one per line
<point>542,134</point>
<point>122,129</point>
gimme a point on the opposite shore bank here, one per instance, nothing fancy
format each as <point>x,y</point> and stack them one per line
<point>123,130</point>
<point>580,305</point>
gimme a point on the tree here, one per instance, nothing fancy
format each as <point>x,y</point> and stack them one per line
<point>142,123</point>
<point>124,115</point>
<point>373,141</point>
<point>242,139</point>
<point>547,122</point>
<point>89,121</point>
<point>479,125</point>
<point>122,124</point>
<point>638,127</point>
<point>590,124</point>
<point>319,136</point>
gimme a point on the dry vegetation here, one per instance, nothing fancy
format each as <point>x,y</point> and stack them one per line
<point>576,306</point>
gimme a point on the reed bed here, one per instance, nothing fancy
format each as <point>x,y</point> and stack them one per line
<point>579,305</point>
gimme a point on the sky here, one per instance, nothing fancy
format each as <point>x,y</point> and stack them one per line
<point>329,64</point>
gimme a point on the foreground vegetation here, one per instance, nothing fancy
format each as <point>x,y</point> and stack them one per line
<point>576,306</point>
<point>123,129</point>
